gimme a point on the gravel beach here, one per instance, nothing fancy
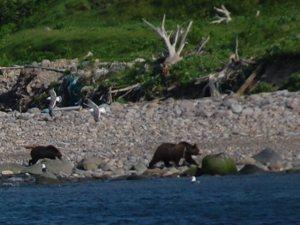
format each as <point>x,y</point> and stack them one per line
<point>128,134</point>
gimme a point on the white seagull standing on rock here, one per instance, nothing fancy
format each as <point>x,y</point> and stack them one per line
<point>53,99</point>
<point>95,110</point>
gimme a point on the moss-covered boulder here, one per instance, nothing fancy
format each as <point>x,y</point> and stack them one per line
<point>218,164</point>
<point>193,170</point>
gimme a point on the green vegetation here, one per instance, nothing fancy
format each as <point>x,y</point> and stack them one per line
<point>32,30</point>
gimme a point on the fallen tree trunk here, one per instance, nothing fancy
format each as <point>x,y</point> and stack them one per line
<point>250,81</point>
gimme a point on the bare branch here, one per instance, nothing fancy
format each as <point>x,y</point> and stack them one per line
<point>180,35</point>
<point>33,67</point>
<point>199,49</point>
<point>237,49</point>
<point>72,108</point>
<point>222,16</point>
<point>183,38</point>
<point>129,88</point>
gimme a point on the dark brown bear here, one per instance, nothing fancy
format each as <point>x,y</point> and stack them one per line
<point>169,152</point>
<point>42,152</point>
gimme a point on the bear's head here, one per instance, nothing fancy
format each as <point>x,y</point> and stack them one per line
<point>193,149</point>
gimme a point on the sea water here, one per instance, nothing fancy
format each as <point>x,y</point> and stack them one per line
<point>242,200</point>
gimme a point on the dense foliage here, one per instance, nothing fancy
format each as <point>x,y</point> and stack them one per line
<point>32,30</point>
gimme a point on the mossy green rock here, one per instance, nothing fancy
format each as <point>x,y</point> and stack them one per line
<point>218,164</point>
<point>191,171</point>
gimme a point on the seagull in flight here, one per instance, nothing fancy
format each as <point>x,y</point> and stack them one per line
<point>95,109</point>
<point>53,98</point>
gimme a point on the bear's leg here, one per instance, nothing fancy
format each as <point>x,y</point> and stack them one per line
<point>176,161</point>
<point>152,163</point>
<point>33,161</point>
<point>167,163</point>
<point>190,160</point>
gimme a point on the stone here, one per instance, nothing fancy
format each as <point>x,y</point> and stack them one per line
<point>34,110</point>
<point>236,108</point>
<point>172,172</point>
<point>268,157</point>
<point>62,168</point>
<point>232,104</point>
<point>218,164</point>
<point>7,172</point>
<point>294,104</point>
<point>139,168</point>
<point>90,163</point>
<point>251,169</point>
<point>46,63</point>
<point>191,171</point>
<point>100,72</point>
<point>12,167</point>
<point>156,172</point>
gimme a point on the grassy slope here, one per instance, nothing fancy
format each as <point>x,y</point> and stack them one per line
<point>112,30</point>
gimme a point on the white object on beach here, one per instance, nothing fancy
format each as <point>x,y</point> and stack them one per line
<point>95,110</point>
<point>43,167</point>
<point>53,99</point>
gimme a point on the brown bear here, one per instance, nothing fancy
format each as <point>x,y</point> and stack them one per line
<point>41,152</point>
<point>167,152</point>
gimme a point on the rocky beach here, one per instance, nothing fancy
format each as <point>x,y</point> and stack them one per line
<point>125,138</point>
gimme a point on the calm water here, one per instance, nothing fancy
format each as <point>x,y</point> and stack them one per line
<point>264,199</point>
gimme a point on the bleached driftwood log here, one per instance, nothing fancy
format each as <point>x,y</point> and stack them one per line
<point>222,16</point>
<point>71,108</point>
<point>175,43</point>
<point>33,67</point>
<point>127,90</point>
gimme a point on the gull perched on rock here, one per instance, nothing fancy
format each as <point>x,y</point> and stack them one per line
<point>95,110</point>
<point>53,99</point>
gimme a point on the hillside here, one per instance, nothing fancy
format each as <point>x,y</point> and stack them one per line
<point>33,30</point>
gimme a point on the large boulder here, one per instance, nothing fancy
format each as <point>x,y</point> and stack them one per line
<point>90,164</point>
<point>193,170</point>
<point>269,158</point>
<point>54,168</point>
<point>251,169</point>
<point>11,168</point>
<point>218,164</point>
<point>139,168</point>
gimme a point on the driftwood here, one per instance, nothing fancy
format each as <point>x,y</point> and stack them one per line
<point>33,67</point>
<point>250,82</point>
<point>72,108</point>
<point>129,88</point>
<point>222,16</point>
<point>200,47</point>
<point>174,43</point>
<point>228,73</point>
<point>199,50</point>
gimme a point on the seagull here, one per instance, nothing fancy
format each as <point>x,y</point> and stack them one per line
<point>44,168</point>
<point>193,180</point>
<point>53,99</point>
<point>95,110</point>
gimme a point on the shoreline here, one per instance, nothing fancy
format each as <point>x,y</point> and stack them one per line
<point>129,133</point>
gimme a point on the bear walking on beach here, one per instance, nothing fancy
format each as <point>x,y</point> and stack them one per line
<point>169,152</point>
<point>42,152</point>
